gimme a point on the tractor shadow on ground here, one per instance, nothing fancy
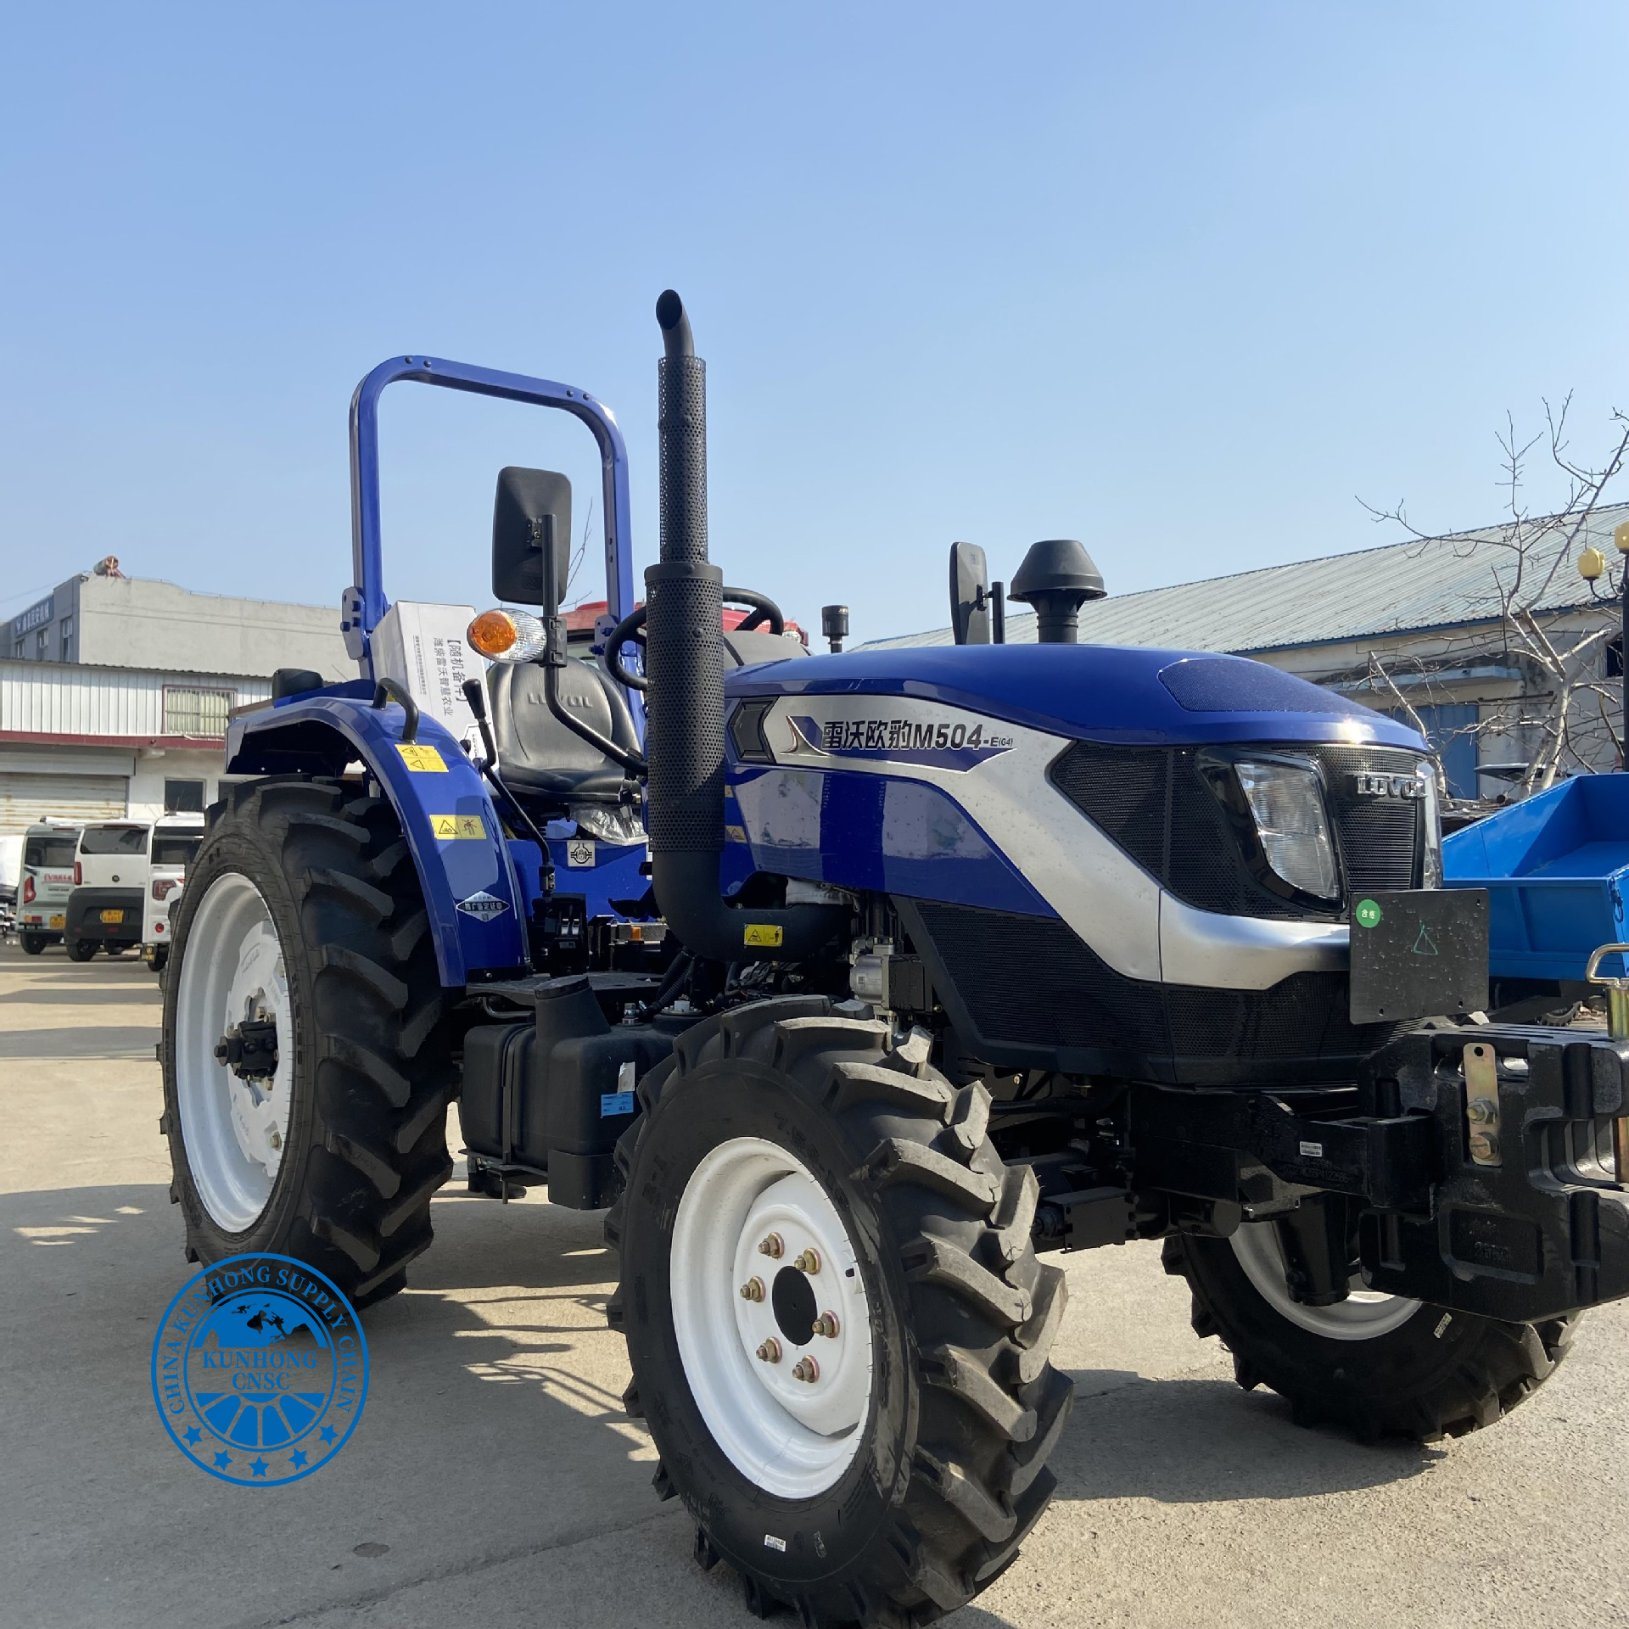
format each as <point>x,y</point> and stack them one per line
<point>116,1043</point>
<point>495,1369</point>
<point>1196,1441</point>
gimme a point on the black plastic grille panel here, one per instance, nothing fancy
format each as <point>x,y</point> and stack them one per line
<point>1155,803</point>
<point>1028,982</point>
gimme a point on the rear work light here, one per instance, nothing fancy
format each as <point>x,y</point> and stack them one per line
<point>163,887</point>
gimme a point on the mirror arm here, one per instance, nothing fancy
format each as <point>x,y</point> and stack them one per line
<point>998,613</point>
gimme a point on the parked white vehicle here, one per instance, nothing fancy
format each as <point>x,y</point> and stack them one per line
<point>174,842</point>
<point>44,881</point>
<point>110,886</point>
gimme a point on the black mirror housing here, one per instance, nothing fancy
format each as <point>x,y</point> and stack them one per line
<point>531,538</point>
<point>969,594</point>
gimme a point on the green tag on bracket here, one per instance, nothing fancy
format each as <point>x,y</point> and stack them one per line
<point>1367,914</point>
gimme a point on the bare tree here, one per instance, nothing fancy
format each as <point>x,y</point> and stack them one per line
<point>1537,616</point>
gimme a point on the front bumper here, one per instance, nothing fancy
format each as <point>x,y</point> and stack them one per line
<point>1525,1217</point>
<point>1481,1162</point>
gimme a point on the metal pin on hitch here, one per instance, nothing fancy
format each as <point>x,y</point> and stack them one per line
<point>1481,1065</point>
<point>1617,1026</point>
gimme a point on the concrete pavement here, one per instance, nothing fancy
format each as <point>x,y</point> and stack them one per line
<point>494,1478</point>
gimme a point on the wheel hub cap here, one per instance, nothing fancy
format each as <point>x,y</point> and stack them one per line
<point>775,1342</point>
<point>233,1077</point>
<point>1364,1315</point>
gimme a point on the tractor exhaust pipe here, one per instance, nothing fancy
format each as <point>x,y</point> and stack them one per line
<point>684,725</point>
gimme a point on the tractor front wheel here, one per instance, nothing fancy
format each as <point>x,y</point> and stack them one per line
<point>1377,1365</point>
<point>838,1329</point>
<point>307,1059</point>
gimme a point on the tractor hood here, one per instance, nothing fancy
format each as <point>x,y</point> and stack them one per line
<point>1092,692</point>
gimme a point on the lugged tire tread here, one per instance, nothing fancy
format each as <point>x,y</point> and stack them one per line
<point>1507,1363</point>
<point>379,1060</point>
<point>978,1479</point>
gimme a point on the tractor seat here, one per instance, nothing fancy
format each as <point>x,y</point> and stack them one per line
<point>537,753</point>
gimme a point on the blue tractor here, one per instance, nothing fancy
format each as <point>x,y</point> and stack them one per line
<point>852,985</point>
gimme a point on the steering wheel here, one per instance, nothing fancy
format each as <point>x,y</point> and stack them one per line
<point>631,630</point>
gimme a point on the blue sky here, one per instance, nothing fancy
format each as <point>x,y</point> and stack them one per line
<point>1178,280</point>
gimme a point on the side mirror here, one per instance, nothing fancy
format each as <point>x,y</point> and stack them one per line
<point>531,538</point>
<point>969,594</point>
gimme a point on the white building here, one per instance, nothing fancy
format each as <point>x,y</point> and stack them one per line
<point>134,622</point>
<point>88,742</point>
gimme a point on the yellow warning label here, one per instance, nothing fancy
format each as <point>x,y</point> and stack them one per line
<point>422,760</point>
<point>455,825</point>
<point>762,934</point>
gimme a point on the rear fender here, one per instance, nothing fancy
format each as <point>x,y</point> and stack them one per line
<point>471,890</point>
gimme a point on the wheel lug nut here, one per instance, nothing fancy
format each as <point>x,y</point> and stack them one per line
<point>770,1351</point>
<point>753,1290</point>
<point>826,1324</point>
<point>806,1370</point>
<point>808,1262</point>
<point>773,1247</point>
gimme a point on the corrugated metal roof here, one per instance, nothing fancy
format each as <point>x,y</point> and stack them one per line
<point>1435,583</point>
<point>74,698</point>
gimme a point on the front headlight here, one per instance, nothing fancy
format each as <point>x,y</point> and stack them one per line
<point>1431,876</point>
<point>1287,804</point>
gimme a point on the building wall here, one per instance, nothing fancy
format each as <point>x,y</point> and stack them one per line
<point>145,799</point>
<point>61,723</point>
<point>61,699</point>
<point>137,623</point>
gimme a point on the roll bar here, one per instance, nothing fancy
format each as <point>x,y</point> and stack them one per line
<point>364,604</point>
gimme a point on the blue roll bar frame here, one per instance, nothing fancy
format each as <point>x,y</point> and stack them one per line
<point>364,604</point>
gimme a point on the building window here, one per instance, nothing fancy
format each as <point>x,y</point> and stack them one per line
<point>17,648</point>
<point>183,797</point>
<point>1614,658</point>
<point>66,634</point>
<point>42,643</point>
<point>195,712</point>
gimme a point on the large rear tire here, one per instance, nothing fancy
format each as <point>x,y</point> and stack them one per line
<point>1375,1365</point>
<point>303,908</point>
<point>786,1151</point>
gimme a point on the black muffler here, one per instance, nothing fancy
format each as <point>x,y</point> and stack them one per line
<point>684,724</point>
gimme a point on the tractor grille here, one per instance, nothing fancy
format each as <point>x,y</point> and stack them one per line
<point>1025,988</point>
<point>1158,807</point>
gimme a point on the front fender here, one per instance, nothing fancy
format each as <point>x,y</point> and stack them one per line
<point>474,899</point>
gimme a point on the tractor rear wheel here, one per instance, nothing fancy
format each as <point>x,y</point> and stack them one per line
<point>1377,1365</point>
<point>838,1329</point>
<point>307,1062</point>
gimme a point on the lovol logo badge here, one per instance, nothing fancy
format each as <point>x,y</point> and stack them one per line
<point>260,1370</point>
<point>484,905</point>
<point>1390,786</point>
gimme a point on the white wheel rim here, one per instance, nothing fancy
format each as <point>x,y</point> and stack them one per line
<point>235,1130</point>
<point>1364,1315</point>
<point>791,1437</point>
